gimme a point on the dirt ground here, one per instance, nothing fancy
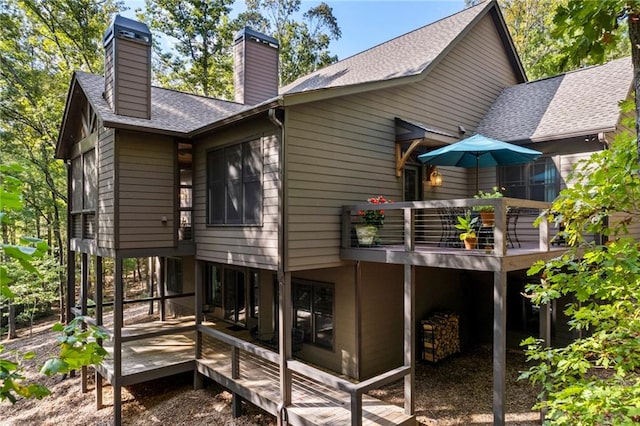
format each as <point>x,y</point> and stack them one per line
<point>457,391</point>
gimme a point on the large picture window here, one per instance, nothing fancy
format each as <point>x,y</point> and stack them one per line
<point>313,311</point>
<point>234,184</point>
<point>538,181</point>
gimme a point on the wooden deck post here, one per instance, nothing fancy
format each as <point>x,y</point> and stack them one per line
<point>499,345</point>
<point>236,405</point>
<point>545,335</point>
<point>500,229</point>
<point>71,285</point>
<point>198,382</point>
<point>117,341</point>
<point>346,229</point>
<point>99,321</point>
<point>356,409</point>
<point>409,338</point>
<point>284,339</point>
<point>150,265</point>
<point>161,287</point>
<point>409,316</point>
<point>544,244</point>
<point>84,293</point>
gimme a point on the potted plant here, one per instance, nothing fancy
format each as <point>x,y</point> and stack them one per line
<point>487,213</point>
<point>467,225</point>
<point>370,222</point>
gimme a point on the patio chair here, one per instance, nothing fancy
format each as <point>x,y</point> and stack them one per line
<point>448,221</point>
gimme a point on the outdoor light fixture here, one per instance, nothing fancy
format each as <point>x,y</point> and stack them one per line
<point>434,176</point>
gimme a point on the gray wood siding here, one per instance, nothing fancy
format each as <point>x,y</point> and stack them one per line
<point>108,73</point>
<point>343,356</point>
<point>341,151</point>
<point>132,79</point>
<point>256,72</point>
<point>106,188</point>
<point>250,245</point>
<point>381,304</point>
<point>146,190</point>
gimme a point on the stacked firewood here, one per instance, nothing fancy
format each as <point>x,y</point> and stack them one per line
<point>440,336</point>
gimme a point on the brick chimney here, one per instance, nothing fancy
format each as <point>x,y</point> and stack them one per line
<point>127,67</point>
<point>255,75</point>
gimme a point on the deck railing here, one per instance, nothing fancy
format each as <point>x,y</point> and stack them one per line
<point>355,390</point>
<point>431,224</point>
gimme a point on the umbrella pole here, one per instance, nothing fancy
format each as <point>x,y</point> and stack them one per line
<point>477,162</point>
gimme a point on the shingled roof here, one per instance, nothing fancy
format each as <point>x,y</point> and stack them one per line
<point>407,55</point>
<point>171,111</point>
<point>581,102</point>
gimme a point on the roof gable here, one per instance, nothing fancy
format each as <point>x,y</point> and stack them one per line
<point>409,55</point>
<point>581,102</point>
<point>172,112</point>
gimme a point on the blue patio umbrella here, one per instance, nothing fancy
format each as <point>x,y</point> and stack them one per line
<point>479,151</point>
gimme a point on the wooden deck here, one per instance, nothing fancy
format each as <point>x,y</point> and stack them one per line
<point>150,352</point>
<point>153,350</point>
<point>313,402</point>
<point>442,257</point>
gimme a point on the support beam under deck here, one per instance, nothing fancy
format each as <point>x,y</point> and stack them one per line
<point>499,346</point>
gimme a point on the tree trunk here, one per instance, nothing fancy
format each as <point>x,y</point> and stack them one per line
<point>634,38</point>
<point>11,332</point>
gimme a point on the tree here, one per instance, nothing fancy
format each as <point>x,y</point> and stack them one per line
<point>596,378</point>
<point>41,43</point>
<point>304,45</point>
<point>595,29</point>
<point>78,346</point>
<point>542,49</point>
<point>200,60</point>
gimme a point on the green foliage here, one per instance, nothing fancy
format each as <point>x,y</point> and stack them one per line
<point>486,195</point>
<point>200,60</point>
<point>304,44</point>
<point>596,378</point>
<point>594,30</point>
<point>11,377</point>
<point>467,225</point>
<point>78,347</point>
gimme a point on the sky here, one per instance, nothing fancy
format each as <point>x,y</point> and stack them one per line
<point>367,23</point>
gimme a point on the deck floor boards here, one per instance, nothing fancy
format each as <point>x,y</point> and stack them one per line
<point>312,402</point>
<point>315,402</point>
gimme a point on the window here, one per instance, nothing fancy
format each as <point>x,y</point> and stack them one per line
<point>232,293</point>
<point>313,311</point>
<point>234,184</point>
<point>213,286</point>
<point>84,190</point>
<point>185,193</point>
<point>538,181</point>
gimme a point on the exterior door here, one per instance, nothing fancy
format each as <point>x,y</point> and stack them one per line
<point>234,296</point>
<point>412,183</point>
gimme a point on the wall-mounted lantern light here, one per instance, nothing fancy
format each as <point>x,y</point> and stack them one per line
<point>435,178</point>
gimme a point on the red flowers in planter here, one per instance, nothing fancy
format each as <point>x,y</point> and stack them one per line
<point>374,217</point>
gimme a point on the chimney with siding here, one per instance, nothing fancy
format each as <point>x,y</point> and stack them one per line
<point>127,67</point>
<point>255,75</point>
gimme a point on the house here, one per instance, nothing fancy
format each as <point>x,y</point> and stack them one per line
<point>247,210</point>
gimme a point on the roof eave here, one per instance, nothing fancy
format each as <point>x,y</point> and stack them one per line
<point>233,118</point>
<point>571,135</point>
<point>289,99</point>
<point>333,92</point>
<point>63,124</point>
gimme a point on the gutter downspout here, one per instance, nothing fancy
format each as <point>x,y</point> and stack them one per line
<point>284,280</point>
